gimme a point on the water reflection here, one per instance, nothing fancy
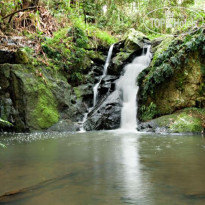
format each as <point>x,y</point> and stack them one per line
<point>132,176</point>
<point>105,168</point>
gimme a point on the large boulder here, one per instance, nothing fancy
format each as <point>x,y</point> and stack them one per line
<point>125,51</point>
<point>175,79</point>
<point>134,40</point>
<point>64,126</point>
<point>190,120</point>
<point>107,115</point>
<point>34,99</point>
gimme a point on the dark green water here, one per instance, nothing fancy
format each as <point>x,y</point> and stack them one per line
<point>103,168</point>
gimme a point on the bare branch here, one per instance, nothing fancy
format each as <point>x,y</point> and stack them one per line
<point>21,10</point>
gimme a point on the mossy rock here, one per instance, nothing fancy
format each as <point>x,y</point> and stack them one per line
<point>21,57</point>
<point>77,92</point>
<point>175,78</point>
<point>37,97</point>
<point>163,46</point>
<point>189,120</point>
<point>133,40</point>
<point>45,113</point>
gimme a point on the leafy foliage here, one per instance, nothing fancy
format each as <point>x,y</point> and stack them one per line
<point>69,49</point>
<point>170,60</point>
<point>4,123</point>
<point>114,15</point>
<point>148,112</point>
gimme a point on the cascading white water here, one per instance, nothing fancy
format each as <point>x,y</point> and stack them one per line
<point>128,86</point>
<point>83,121</point>
<point>95,89</point>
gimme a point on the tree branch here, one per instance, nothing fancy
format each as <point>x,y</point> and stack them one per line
<point>21,10</point>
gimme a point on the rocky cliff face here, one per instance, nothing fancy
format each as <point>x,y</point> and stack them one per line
<point>175,79</point>
<point>37,98</point>
<point>34,101</point>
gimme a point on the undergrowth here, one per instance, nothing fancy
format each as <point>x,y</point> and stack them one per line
<point>69,48</point>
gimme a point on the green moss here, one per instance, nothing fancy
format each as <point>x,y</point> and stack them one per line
<point>203,69</point>
<point>180,81</point>
<point>41,108</point>
<point>187,120</point>
<point>70,49</point>
<point>96,55</point>
<point>168,59</point>
<point>45,112</point>
<point>21,57</point>
<point>186,123</point>
<point>122,56</point>
<point>161,48</point>
<point>77,92</point>
<point>202,89</point>
<point>104,38</point>
<point>133,40</point>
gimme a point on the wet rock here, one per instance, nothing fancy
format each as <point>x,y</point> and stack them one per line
<point>125,51</point>
<point>107,85</point>
<point>98,70</point>
<point>107,115</point>
<point>134,40</point>
<point>21,57</point>
<point>84,94</point>
<point>110,78</point>
<point>64,126</point>
<point>118,47</point>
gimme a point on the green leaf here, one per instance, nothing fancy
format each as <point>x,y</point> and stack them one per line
<point>4,123</point>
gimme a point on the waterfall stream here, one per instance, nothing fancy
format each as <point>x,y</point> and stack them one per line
<point>127,85</point>
<point>95,88</point>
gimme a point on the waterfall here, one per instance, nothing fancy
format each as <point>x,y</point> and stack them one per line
<point>95,88</point>
<point>127,85</point>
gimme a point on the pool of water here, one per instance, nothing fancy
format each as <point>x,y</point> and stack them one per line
<point>107,168</point>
